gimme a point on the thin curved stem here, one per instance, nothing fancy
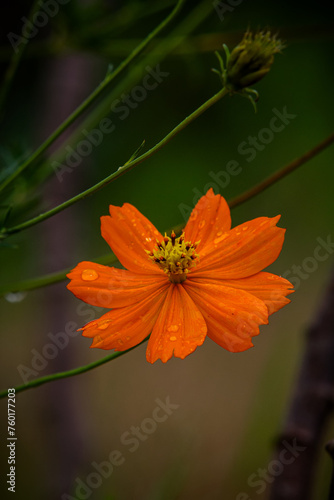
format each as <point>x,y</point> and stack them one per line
<point>279,174</point>
<point>121,21</point>
<point>50,279</point>
<point>165,47</point>
<point>7,231</point>
<point>70,373</point>
<point>90,99</point>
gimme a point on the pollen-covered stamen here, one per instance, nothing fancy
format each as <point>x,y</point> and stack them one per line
<point>175,256</point>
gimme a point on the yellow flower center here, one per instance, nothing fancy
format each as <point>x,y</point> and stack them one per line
<point>175,256</point>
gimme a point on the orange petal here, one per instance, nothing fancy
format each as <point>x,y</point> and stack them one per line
<point>268,287</point>
<point>208,220</point>
<point>105,286</point>
<point>179,329</point>
<point>126,327</point>
<point>243,251</point>
<point>232,316</point>
<point>129,234</point>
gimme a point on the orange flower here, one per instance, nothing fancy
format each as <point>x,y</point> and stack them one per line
<point>208,281</point>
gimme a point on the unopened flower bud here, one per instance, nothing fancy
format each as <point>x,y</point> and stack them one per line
<point>251,60</point>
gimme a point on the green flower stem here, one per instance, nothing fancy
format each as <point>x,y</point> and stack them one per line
<point>279,174</point>
<point>121,21</point>
<point>275,177</point>
<point>164,47</point>
<point>93,96</point>
<point>69,373</point>
<point>50,279</point>
<point>121,170</point>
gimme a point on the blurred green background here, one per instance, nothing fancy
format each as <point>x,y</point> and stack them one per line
<point>231,406</point>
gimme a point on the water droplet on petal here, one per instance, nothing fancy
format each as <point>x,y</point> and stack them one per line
<point>201,224</point>
<point>148,239</point>
<point>120,341</point>
<point>172,339</point>
<point>219,233</point>
<point>173,328</point>
<point>15,297</point>
<point>221,238</point>
<point>104,324</point>
<point>193,215</point>
<point>89,275</point>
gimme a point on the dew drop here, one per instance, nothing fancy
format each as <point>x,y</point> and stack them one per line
<point>245,228</point>
<point>148,239</point>
<point>173,328</point>
<point>104,324</point>
<point>172,339</point>
<point>120,342</point>
<point>201,224</point>
<point>219,233</point>
<point>15,297</point>
<point>89,275</point>
<point>127,338</point>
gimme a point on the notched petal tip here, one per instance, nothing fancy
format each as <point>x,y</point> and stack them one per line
<point>179,329</point>
<point>244,250</point>
<point>209,219</point>
<point>129,233</point>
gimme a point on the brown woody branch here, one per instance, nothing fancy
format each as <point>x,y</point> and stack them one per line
<point>310,408</point>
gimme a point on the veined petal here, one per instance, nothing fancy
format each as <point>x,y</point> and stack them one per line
<point>232,316</point>
<point>105,286</point>
<point>243,251</point>
<point>129,234</point>
<point>126,327</point>
<point>268,287</point>
<point>179,329</point>
<point>209,219</point>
